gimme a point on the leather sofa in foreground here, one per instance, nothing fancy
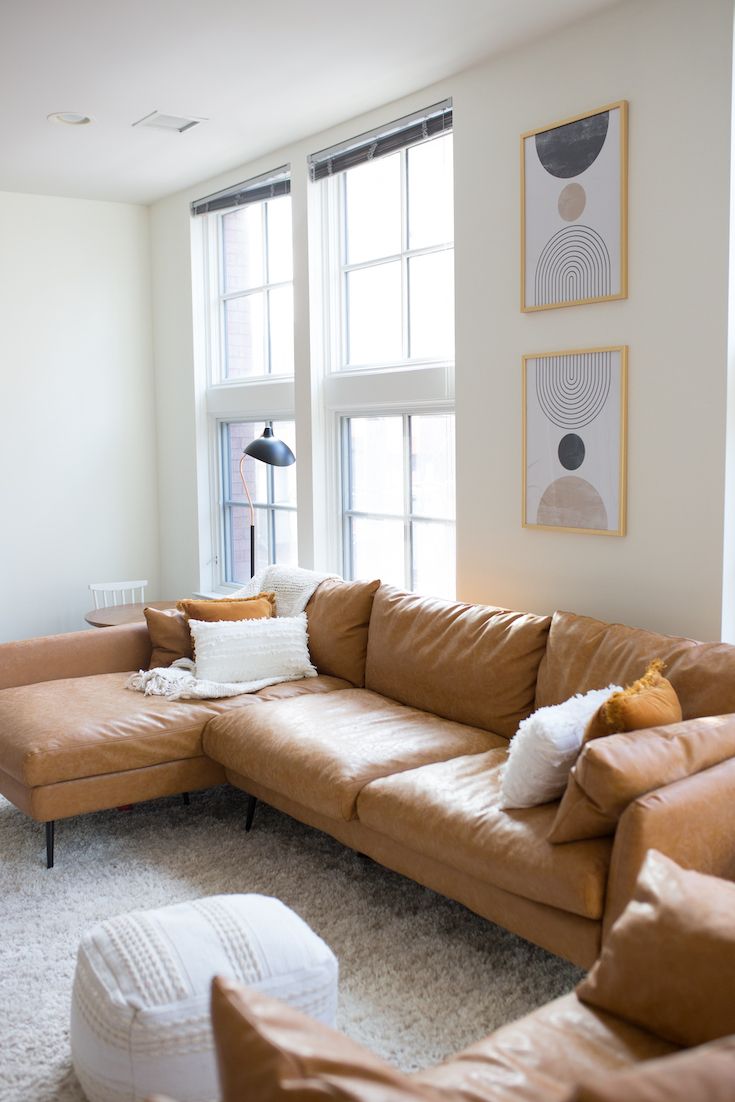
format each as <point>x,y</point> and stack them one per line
<point>396,748</point>
<point>654,1021</point>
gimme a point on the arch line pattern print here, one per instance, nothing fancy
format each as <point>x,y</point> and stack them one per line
<point>573,389</point>
<point>574,264</point>
<point>574,430</point>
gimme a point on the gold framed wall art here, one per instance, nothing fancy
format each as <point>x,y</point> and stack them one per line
<point>574,440</point>
<point>574,210</point>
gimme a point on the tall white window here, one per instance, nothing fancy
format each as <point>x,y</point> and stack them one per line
<point>388,262</point>
<point>247,269</point>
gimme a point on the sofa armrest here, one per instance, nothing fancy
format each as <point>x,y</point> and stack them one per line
<point>75,654</point>
<point>692,821</point>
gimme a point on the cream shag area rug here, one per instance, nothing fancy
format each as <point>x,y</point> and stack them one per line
<point>420,976</point>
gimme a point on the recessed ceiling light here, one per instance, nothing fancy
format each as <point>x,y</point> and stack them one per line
<point>70,118</point>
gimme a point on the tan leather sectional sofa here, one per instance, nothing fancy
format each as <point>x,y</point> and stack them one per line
<point>395,749</point>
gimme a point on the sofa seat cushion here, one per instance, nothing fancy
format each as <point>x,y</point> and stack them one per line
<point>540,1057</point>
<point>306,686</point>
<point>450,811</point>
<point>321,751</point>
<point>583,653</point>
<point>86,726</point>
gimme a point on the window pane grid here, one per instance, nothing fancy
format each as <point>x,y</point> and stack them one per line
<point>422,555</point>
<point>428,250</point>
<point>259,290</point>
<point>410,291</point>
<point>255,261</point>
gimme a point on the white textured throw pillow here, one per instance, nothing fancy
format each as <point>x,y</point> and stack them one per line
<point>251,650</point>
<point>545,747</point>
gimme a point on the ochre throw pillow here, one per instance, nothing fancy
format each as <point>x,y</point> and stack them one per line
<point>651,701</point>
<point>240,608</point>
<point>170,636</point>
<point>611,773</point>
<point>668,964</point>
<point>702,1074</point>
<point>268,1051</point>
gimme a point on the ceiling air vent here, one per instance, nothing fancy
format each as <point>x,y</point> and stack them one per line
<point>174,123</point>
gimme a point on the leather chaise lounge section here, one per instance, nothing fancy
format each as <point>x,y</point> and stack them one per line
<point>395,749</point>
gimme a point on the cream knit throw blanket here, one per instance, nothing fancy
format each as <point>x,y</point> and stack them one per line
<point>292,586</point>
<point>179,682</point>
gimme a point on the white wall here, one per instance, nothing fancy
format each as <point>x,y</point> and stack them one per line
<point>672,60</point>
<point>78,489</point>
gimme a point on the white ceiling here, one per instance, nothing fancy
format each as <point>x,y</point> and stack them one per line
<point>263,74</point>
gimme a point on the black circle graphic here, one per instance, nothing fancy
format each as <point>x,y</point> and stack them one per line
<point>571,451</point>
<point>568,150</point>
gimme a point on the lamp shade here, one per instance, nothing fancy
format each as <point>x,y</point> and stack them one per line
<point>269,449</point>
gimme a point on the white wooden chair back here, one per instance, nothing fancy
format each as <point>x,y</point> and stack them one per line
<point>109,594</point>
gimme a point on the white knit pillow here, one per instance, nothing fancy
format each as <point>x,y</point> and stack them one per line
<point>251,650</point>
<point>544,749</point>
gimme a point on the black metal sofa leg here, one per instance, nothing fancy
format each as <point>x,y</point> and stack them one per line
<point>50,844</point>
<point>185,798</point>
<point>252,801</point>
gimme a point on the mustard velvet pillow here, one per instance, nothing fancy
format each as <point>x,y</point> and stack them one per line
<point>262,606</point>
<point>651,701</point>
<point>170,636</point>
<point>668,964</point>
<point>268,1051</point>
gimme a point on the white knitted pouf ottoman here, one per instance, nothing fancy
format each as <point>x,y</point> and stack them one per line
<point>140,1006</point>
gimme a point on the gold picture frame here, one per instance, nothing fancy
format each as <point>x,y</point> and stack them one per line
<point>575,417</point>
<point>574,210</point>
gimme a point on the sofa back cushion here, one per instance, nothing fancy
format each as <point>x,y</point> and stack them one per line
<point>170,636</point>
<point>668,964</point>
<point>269,1051</point>
<point>583,653</point>
<point>338,616</point>
<point>473,664</point>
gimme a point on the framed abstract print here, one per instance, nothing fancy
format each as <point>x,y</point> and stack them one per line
<point>574,440</point>
<point>574,184</point>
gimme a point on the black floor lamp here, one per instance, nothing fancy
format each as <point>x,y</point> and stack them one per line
<point>268,449</point>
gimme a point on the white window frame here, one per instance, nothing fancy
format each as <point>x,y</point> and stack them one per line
<point>411,387</point>
<point>338,208</point>
<point>259,398</point>
<point>217,298</point>
<point>408,518</point>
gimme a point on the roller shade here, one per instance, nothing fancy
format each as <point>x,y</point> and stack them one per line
<point>382,141</point>
<point>268,186</point>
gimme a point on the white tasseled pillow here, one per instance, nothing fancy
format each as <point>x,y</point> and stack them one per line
<point>251,650</point>
<point>545,747</point>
